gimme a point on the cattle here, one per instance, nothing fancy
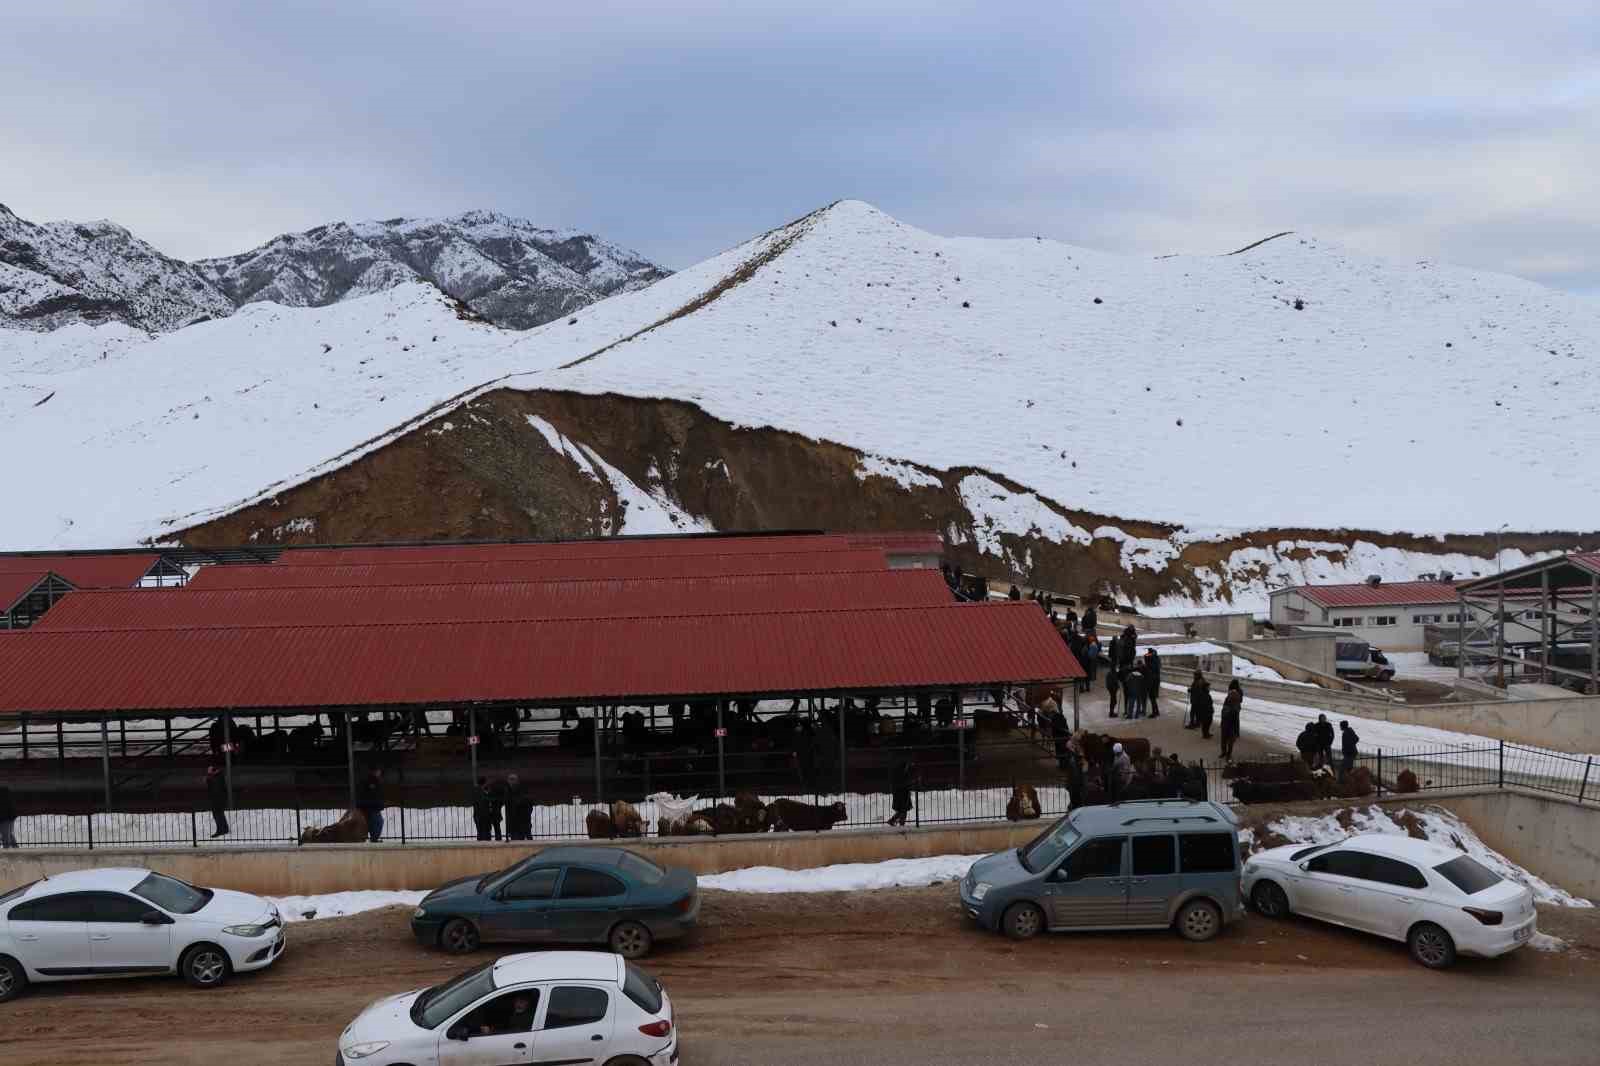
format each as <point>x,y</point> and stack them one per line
<point>304,741</point>
<point>753,816</point>
<point>723,817</point>
<point>351,829</point>
<point>1405,781</point>
<point>622,820</point>
<point>1292,769</point>
<point>1356,783</point>
<point>1024,804</point>
<point>1097,747</point>
<point>787,814</point>
<point>694,825</point>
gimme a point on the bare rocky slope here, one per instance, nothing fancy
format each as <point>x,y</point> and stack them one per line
<point>559,464</point>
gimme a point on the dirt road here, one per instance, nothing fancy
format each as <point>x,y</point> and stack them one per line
<point>896,977</point>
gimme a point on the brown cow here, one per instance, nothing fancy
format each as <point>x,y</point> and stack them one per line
<point>625,819</point>
<point>1406,781</point>
<point>1023,804</point>
<point>351,829</point>
<point>1357,782</point>
<point>788,814</point>
<point>1096,747</point>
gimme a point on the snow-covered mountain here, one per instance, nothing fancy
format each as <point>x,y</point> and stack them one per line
<point>506,269</point>
<point>1205,425</point>
<point>58,273</point>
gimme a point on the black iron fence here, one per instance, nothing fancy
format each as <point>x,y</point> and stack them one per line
<point>974,781</point>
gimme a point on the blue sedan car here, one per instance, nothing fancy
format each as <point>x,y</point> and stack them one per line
<point>572,895</point>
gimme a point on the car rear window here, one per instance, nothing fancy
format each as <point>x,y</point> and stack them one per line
<point>1468,874</point>
<point>642,989</point>
<point>1206,853</point>
<point>641,869</point>
<point>1305,853</point>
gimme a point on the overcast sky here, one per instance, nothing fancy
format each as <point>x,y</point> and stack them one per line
<point>1468,132</point>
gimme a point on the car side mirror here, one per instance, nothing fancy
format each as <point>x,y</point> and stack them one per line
<point>1063,874</point>
<point>154,918</point>
<point>1305,866</point>
<point>457,1032</point>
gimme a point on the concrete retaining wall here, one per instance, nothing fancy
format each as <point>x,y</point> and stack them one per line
<point>1314,653</point>
<point>316,869</point>
<point>1556,838</point>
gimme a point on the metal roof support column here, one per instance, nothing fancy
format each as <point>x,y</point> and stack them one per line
<point>1546,630</point>
<point>472,749</point>
<point>1499,630</point>
<point>1075,693</point>
<point>961,742</point>
<point>722,764</point>
<point>841,748</point>
<point>349,756</point>
<point>227,755</point>
<point>1461,637</point>
<point>599,777</point>
<point>1594,634</point>
<point>105,760</point>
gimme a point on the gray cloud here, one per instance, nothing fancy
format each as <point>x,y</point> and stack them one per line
<point>1424,129</point>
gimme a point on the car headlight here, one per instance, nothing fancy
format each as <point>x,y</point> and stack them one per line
<point>981,889</point>
<point>246,931</point>
<point>362,1050</point>
<point>420,912</point>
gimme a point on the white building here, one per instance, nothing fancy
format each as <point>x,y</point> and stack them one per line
<point>1391,615</point>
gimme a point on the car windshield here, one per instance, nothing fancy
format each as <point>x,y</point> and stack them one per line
<point>644,990</point>
<point>1468,874</point>
<point>436,1006</point>
<point>15,892</point>
<point>501,876</point>
<point>1040,853</point>
<point>171,894</point>
<point>1306,853</point>
<point>641,869</point>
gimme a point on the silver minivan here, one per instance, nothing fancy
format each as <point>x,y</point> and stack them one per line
<point>1145,864</point>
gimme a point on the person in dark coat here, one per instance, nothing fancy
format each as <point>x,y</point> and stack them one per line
<point>217,795</point>
<point>519,810</point>
<point>8,819</point>
<point>1200,706</point>
<point>1152,681</point>
<point>1133,691</point>
<point>1309,745</point>
<point>1231,705</point>
<point>1127,649</point>
<point>900,785</point>
<point>1089,621</point>
<point>1347,747</point>
<point>1015,593</point>
<point>370,802</point>
<point>1077,781</point>
<point>1113,680</point>
<point>486,810</point>
<point>1324,730</point>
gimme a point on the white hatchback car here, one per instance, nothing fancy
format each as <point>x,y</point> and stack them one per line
<point>537,1007</point>
<point>130,923</point>
<point>1438,900</point>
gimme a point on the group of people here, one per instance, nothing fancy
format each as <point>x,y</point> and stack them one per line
<point>1136,678</point>
<point>1315,744</point>
<point>1202,710</point>
<point>502,810</point>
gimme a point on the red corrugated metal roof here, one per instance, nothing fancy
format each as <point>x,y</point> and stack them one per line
<point>599,548</point>
<point>966,645</point>
<point>505,602</point>
<point>1590,561</point>
<point>119,570</point>
<point>1386,594</point>
<point>17,584</point>
<point>282,575</point>
<point>899,541</point>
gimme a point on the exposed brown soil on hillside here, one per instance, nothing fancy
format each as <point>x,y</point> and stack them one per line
<point>482,471</point>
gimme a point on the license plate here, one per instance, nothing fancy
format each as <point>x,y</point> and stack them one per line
<point>1525,933</point>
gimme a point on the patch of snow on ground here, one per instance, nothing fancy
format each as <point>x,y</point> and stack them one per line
<point>645,510</point>
<point>1440,826</point>
<point>903,474</point>
<point>340,904</point>
<point>996,509</point>
<point>1250,671</point>
<point>845,877</point>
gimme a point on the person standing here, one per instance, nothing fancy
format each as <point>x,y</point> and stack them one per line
<point>1091,660</point>
<point>8,819</point>
<point>1152,681</point>
<point>1324,730</point>
<point>1231,705</point>
<point>1133,691</point>
<point>1113,679</point>
<point>900,786</point>
<point>217,796</point>
<point>1089,620</point>
<point>519,810</point>
<point>1121,771</point>
<point>369,801</point>
<point>1015,595</point>
<point>1347,747</point>
<point>1200,706</point>
<point>486,811</point>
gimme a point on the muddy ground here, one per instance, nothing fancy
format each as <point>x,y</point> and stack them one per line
<point>885,977</point>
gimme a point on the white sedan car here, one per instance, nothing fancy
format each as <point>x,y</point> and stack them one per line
<point>1437,900</point>
<point>537,1007</point>
<point>131,923</point>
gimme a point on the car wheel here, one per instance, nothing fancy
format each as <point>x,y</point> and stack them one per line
<point>627,1060</point>
<point>630,940</point>
<point>205,966</point>
<point>12,979</point>
<point>1269,900</point>
<point>1022,920</point>
<point>1198,920</point>
<point>1431,946</point>
<point>459,937</point>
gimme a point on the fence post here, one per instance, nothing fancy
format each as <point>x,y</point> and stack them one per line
<point>599,778</point>
<point>722,767</point>
<point>194,831</point>
<point>297,829</point>
<point>1584,786</point>
<point>89,820</point>
<point>961,746</point>
<point>842,757</point>
<point>1380,773</point>
<point>1502,764</point>
<point>105,760</point>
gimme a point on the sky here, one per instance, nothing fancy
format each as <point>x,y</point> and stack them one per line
<point>1462,132</point>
